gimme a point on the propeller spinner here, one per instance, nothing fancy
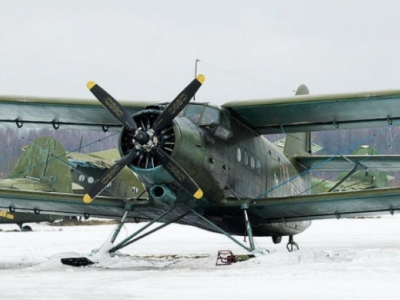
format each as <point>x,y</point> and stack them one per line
<point>145,140</point>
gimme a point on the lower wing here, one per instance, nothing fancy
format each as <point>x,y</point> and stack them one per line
<point>65,204</point>
<point>325,206</point>
<point>266,210</point>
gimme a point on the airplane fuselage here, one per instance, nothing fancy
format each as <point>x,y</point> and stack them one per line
<point>227,160</point>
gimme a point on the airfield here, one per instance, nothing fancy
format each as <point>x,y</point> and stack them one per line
<point>338,259</point>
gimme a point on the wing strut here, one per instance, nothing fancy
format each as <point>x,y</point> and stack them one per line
<point>108,247</point>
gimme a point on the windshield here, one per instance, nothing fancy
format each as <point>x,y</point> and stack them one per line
<point>201,114</point>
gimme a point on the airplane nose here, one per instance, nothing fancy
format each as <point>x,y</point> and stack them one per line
<point>142,138</point>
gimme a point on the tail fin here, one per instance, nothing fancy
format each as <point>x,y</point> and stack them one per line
<point>44,162</point>
<point>302,90</point>
<point>298,144</point>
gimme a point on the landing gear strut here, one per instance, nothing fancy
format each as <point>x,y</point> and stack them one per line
<point>108,248</point>
<point>291,244</point>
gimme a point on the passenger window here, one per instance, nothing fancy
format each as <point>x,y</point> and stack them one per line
<point>258,167</point>
<point>252,162</point>
<point>276,178</point>
<point>239,154</point>
<point>246,158</point>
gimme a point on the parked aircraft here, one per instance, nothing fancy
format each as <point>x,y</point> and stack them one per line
<point>210,166</point>
<point>360,179</point>
<point>87,168</point>
<point>45,166</point>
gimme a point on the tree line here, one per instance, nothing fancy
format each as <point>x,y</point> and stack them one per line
<point>12,140</point>
<point>385,140</point>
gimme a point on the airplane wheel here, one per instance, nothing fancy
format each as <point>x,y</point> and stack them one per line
<point>277,239</point>
<point>26,228</point>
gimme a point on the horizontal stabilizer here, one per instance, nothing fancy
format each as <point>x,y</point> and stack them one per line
<point>342,163</point>
<point>98,160</point>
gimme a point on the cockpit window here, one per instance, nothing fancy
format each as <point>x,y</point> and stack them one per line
<point>224,120</point>
<point>193,113</point>
<point>210,116</point>
<point>201,114</point>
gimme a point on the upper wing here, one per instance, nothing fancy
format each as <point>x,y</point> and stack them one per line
<point>293,114</point>
<point>319,112</point>
<point>322,206</point>
<point>86,114</point>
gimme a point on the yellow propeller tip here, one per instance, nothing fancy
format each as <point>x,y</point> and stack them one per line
<point>87,198</point>
<point>201,78</point>
<point>90,84</point>
<point>198,194</point>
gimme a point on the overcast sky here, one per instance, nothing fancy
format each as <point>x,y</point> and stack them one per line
<point>146,50</point>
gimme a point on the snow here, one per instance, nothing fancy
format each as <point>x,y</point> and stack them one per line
<point>338,259</point>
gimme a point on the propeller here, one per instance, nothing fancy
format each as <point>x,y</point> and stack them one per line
<point>178,104</point>
<point>112,106</point>
<point>109,176</point>
<point>143,138</point>
<point>178,173</point>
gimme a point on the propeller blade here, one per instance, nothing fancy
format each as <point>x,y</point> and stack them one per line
<point>178,173</point>
<point>112,106</point>
<point>107,177</point>
<point>178,104</point>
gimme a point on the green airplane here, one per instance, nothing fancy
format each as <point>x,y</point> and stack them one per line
<point>359,179</point>
<point>210,166</point>
<point>37,170</point>
<point>354,181</point>
<point>45,166</point>
<point>87,168</point>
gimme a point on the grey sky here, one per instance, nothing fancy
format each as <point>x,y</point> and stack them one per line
<point>248,49</point>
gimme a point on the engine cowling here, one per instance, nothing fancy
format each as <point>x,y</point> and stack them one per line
<point>179,139</point>
<point>164,139</point>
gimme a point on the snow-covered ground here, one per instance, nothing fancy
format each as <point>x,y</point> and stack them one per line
<point>338,259</point>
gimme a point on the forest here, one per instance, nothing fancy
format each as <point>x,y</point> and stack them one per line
<point>12,140</point>
<point>386,141</point>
